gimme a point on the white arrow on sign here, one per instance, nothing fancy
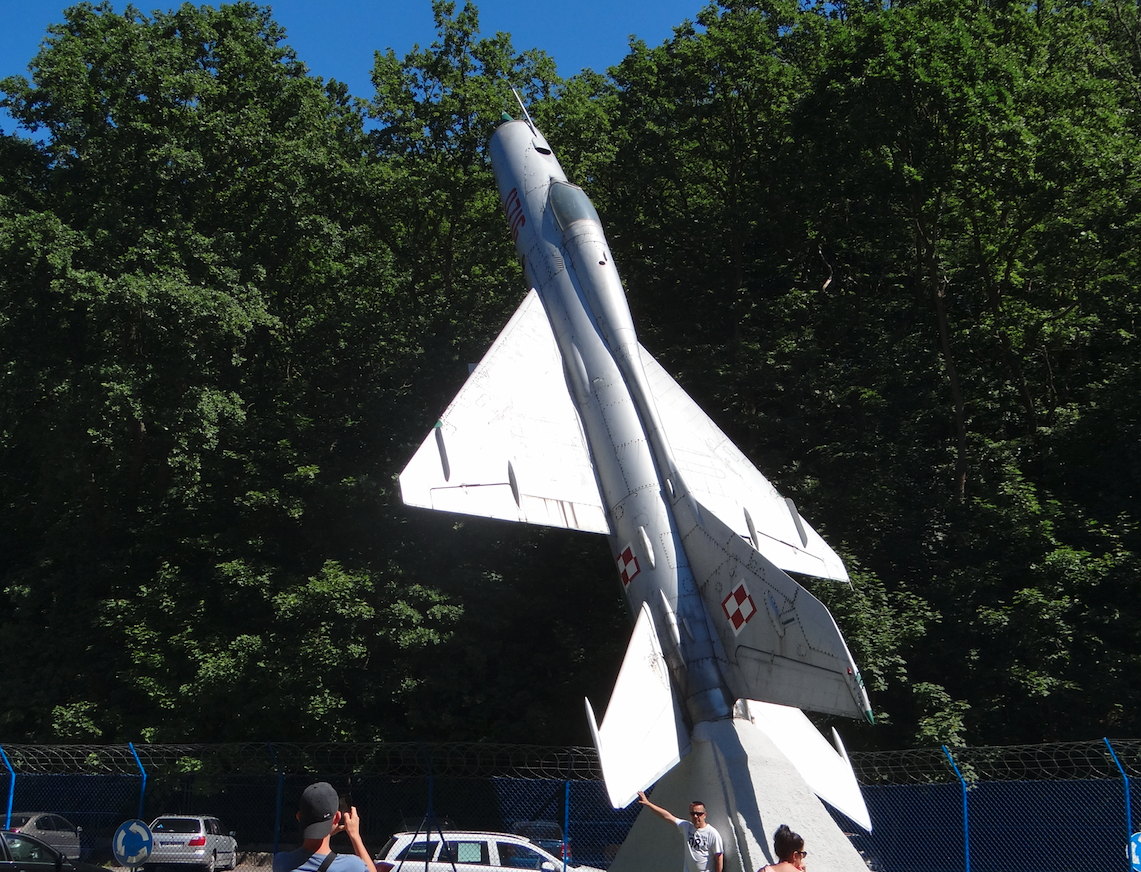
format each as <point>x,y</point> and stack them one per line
<point>140,843</point>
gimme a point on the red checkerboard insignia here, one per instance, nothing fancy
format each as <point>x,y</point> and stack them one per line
<point>628,565</point>
<point>739,607</point>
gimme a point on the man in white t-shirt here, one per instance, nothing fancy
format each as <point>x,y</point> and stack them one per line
<point>321,818</point>
<point>704,849</point>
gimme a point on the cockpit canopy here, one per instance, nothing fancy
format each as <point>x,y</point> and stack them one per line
<point>569,204</point>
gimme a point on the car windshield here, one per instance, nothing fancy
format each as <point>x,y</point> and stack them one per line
<point>176,825</point>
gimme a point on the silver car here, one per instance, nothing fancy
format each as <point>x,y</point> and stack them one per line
<point>47,827</point>
<point>190,839</point>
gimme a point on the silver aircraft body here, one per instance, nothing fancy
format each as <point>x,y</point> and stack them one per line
<point>569,422</point>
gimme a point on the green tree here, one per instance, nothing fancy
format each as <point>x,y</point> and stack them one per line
<point>903,294</point>
<point>993,140</point>
<point>197,366</point>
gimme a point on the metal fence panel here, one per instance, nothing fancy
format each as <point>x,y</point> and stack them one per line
<point>1035,826</point>
<point>97,803</point>
<point>1048,808</point>
<point>917,827</point>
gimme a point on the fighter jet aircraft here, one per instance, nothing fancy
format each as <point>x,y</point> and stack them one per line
<point>569,422</point>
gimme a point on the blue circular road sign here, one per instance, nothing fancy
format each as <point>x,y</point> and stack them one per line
<point>132,843</point>
<point>1135,851</point>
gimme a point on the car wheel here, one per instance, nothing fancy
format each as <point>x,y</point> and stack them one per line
<point>233,858</point>
<point>212,864</point>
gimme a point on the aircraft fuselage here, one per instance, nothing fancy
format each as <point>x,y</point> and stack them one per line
<point>567,260</point>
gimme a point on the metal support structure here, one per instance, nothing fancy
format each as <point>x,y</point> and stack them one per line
<point>1125,781</point>
<point>566,825</point>
<point>11,789</point>
<point>966,816</point>
<point>430,824</point>
<point>143,788</point>
<point>280,797</point>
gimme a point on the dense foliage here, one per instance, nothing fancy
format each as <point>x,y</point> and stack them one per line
<point>891,250</point>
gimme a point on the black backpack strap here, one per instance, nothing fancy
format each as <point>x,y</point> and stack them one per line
<point>327,862</point>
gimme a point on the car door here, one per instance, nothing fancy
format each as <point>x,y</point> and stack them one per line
<point>25,854</point>
<point>39,827</point>
<point>64,837</point>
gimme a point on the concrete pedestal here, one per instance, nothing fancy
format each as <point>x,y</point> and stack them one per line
<point>749,789</point>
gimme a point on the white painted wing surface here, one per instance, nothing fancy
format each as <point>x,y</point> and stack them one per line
<point>825,769</point>
<point>781,642</point>
<point>641,737</point>
<point>723,479</point>
<point>510,445</point>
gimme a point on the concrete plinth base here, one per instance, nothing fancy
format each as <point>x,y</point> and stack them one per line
<point>749,789</point>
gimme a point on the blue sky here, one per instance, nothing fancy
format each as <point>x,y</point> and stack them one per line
<point>336,38</point>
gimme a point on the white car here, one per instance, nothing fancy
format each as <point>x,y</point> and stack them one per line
<point>195,840</point>
<point>469,852</point>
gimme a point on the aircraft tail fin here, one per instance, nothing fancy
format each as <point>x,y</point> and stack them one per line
<point>825,769</point>
<point>782,644</point>
<point>641,736</point>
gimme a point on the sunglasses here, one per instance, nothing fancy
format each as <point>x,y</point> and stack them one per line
<point>697,814</point>
<point>800,853</point>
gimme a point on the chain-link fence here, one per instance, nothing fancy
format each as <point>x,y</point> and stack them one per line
<point>1023,808</point>
<point>994,809</point>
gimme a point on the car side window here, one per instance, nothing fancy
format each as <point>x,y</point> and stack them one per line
<point>26,851</point>
<point>212,827</point>
<point>465,852</point>
<point>419,851</point>
<point>518,856</point>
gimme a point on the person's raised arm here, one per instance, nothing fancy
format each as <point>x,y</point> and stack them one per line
<point>656,809</point>
<point>350,822</point>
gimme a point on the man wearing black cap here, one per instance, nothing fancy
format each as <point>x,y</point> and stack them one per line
<point>320,818</point>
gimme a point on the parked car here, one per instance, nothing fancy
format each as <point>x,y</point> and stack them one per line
<point>191,839</point>
<point>47,827</point>
<point>548,835</point>
<point>20,852</point>
<point>469,851</point>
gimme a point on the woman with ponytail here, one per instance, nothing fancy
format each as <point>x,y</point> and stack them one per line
<point>789,849</point>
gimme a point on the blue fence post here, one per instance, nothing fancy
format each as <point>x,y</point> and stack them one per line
<point>566,825</point>
<point>143,788</point>
<point>280,792</point>
<point>966,817</point>
<point>1125,780</point>
<point>11,789</point>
